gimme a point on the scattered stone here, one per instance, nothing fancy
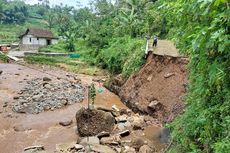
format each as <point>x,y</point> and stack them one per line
<point>5,104</point>
<point>168,75</point>
<point>78,147</point>
<point>138,126</point>
<point>46,79</point>
<point>126,142</point>
<point>124,133</point>
<point>20,128</point>
<point>16,98</point>
<point>101,148</point>
<point>129,150</point>
<point>122,118</point>
<point>92,122</point>
<point>154,105</point>
<point>103,134</point>
<point>1,72</point>
<point>128,124</point>
<point>64,147</point>
<point>37,148</point>
<point>89,140</point>
<point>114,140</point>
<point>118,150</point>
<point>9,115</point>
<point>39,96</point>
<point>150,78</point>
<point>145,149</point>
<point>17,74</point>
<point>114,107</point>
<point>121,126</point>
<point>66,123</point>
<point>137,143</point>
<point>125,111</point>
<point>115,113</point>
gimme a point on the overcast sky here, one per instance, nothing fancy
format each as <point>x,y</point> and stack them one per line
<point>68,2</point>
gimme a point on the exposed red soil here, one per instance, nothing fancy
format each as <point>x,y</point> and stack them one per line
<point>162,78</point>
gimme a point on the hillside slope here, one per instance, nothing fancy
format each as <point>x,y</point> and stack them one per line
<point>158,88</point>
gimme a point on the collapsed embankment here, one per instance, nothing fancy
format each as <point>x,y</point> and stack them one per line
<point>157,89</point>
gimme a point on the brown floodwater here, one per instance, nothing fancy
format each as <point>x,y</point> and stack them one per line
<point>43,128</point>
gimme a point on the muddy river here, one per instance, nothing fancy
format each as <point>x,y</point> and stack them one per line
<point>18,131</point>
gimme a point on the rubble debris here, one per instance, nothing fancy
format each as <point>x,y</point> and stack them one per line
<point>101,148</point>
<point>168,75</point>
<point>124,133</point>
<point>37,148</point>
<point>103,134</point>
<point>89,140</point>
<point>38,96</point>
<point>66,123</point>
<point>46,79</point>
<point>145,149</point>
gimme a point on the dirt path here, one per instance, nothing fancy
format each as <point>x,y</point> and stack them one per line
<point>18,131</point>
<point>164,47</point>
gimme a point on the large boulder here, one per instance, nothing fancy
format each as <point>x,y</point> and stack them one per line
<point>91,122</point>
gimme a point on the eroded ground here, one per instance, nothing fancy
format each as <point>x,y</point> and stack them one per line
<point>18,131</point>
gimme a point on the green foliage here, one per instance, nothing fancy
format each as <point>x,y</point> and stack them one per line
<point>201,30</point>
<point>48,60</point>
<point>92,93</point>
<point>66,63</point>
<point>56,48</point>
<point>123,55</point>
<point>3,57</point>
<point>13,12</point>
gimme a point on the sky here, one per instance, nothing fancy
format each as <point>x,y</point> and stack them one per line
<point>68,2</point>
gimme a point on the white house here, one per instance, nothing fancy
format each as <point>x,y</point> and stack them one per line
<point>33,38</point>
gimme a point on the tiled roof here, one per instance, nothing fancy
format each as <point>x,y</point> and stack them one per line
<point>40,33</point>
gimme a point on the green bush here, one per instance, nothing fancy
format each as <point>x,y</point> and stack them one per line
<point>123,55</point>
<point>3,58</point>
<point>201,30</point>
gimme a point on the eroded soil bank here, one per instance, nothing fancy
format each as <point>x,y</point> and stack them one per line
<point>157,89</point>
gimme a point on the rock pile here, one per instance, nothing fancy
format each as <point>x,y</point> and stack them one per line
<point>113,130</point>
<point>42,94</point>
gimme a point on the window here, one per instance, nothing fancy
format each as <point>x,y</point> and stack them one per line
<point>30,39</point>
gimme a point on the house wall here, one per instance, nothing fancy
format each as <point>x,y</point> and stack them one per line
<point>29,42</point>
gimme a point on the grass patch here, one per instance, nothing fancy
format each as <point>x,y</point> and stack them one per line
<point>56,48</point>
<point>66,63</point>
<point>3,58</point>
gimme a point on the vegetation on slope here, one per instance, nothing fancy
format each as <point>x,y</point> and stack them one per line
<point>201,30</point>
